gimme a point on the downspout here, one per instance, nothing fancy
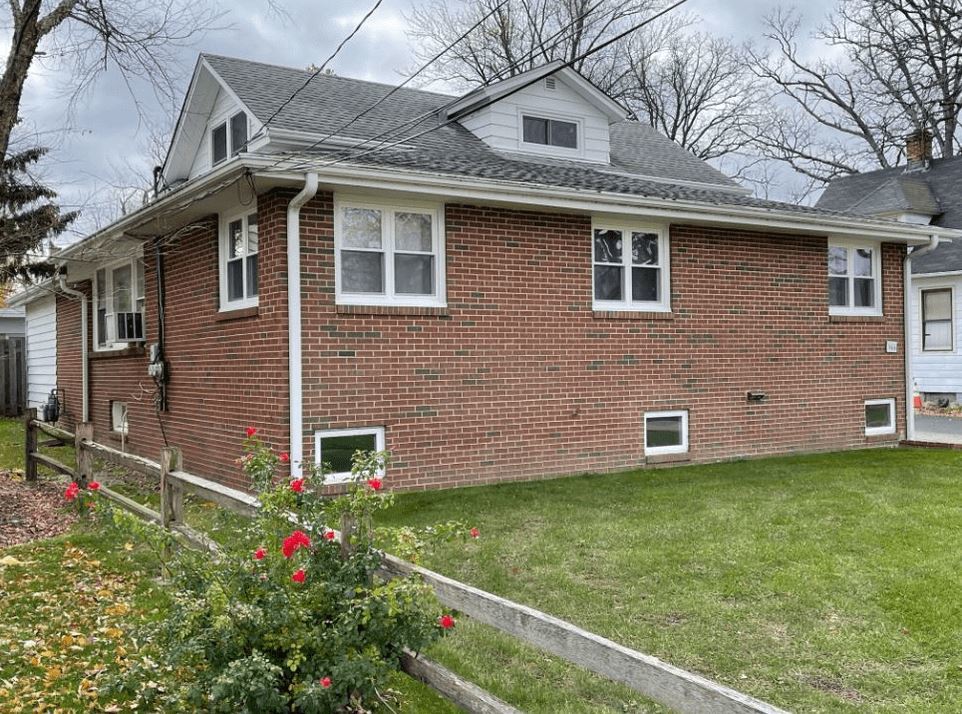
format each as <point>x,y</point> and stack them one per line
<point>907,323</point>
<point>85,378</point>
<point>294,320</point>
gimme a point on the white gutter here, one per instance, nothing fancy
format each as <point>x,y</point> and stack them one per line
<point>294,362</point>
<point>907,323</point>
<point>85,371</point>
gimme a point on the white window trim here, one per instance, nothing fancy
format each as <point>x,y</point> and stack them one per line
<point>548,149</point>
<point>439,299</point>
<point>124,426</point>
<point>224,120</point>
<point>879,430</point>
<point>108,269</point>
<point>851,245</point>
<point>344,477</point>
<point>927,288</point>
<point>224,249</point>
<point>658,450</point>
<point>664,257</point>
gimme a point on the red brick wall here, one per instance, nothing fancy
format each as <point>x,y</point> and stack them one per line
<point>225,374</point>
<point>520,379</point>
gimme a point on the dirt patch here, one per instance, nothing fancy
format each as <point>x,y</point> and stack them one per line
<point>833,686</point>
<point>29,511</point>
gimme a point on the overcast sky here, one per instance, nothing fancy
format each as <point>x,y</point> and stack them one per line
<point>106,135</point>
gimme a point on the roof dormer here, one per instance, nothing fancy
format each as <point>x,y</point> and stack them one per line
<point>548,111</point>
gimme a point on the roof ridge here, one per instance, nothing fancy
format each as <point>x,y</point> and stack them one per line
<point>330,76</point>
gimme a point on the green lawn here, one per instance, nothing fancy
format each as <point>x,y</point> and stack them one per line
<point>818,583</point>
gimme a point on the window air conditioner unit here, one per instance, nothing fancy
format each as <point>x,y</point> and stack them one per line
<point>130,327</point>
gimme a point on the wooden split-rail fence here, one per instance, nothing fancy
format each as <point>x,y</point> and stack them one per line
<point>676,688</point>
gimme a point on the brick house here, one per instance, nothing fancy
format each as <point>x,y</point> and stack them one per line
<point>516,283</point>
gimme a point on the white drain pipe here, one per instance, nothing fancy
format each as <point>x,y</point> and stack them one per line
<point>85,373</point>
<point>907,322</point>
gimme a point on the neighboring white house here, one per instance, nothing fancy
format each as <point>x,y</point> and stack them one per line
<point>925,191</point>
<point>41,338</point>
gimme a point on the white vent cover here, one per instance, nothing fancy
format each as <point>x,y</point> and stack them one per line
<point>549,83</point>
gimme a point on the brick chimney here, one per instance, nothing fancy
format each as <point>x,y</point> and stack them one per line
<point>918,148</point>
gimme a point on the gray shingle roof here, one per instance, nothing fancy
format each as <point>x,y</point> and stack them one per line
<point>935,191</point>
<point>643,162</point>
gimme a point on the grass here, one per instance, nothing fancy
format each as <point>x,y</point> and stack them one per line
<point>818,583</point>
<point>11,446</point>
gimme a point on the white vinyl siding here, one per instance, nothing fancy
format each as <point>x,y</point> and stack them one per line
<point>41,350</point>
<point>936,371</point>
<point>224,108</point>
<point>500,124</point>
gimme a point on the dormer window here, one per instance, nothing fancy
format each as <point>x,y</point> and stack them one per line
<point>550,132</point>
<point>234,130</point>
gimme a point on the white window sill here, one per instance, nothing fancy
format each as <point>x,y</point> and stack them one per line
<point>854,312</point>
<point>239,305</point>
<point>665,450</point>
<point>380,301</point>
<point>612,306</point>
<point>880,431</point>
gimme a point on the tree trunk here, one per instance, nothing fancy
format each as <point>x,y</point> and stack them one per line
<point>23,47</point>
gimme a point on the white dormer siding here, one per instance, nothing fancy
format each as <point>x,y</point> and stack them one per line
<point>500,125</point>
<point>224,108</point>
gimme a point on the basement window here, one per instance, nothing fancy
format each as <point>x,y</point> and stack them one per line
<point>118,417</point>
<point>119,305</point>
<point>388,255</point>
<point>879,417</point>
<point>238,261</point>
<point>630,268</point>
<point>666,433</point>
<point>335,450</point>
<point>854,279</point>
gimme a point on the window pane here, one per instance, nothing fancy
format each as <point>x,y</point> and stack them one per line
<point>362,272</point>
<point>864,292</point>
<point>218,138</point>
<point>878,415</point>
<point>238,133</point>
<point>607,282</point>
<point>664,431</point>
<point>937,335</point>
<point>837,261</point>
<point>564,134</point>
<point>412,231</point>
<point>838,292</point>
<point>235,279</point>
<point>140,280</point>
<point>337,451</point>
<point>362,228</point>
<point>252,233</point>
<point>252,275</point>
<point>644,248</point>
<point>863,262</point>
<point>414,274</point>
<point>101,286</point>
<point>644,284</point>
<point>235,239</point>
<point>608,246</point>
<point>122,289</point>
<point>535,130</point>
<point>937,304</point>
<point>101,325</point>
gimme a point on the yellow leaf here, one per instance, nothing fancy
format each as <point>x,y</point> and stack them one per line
<point>53,673</point>
<point>104,593</point>
<point>66,640</point>
<point>10,560</point>
<point>114,633</point>
<point>128,546</point>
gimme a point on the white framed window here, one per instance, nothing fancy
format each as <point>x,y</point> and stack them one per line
<point>548,133</point>
<point>334,449</point>
<point>388,254</point>
<point>119,304</point>
<point>879,417</point>
<point>238,261</point>
<point>118,417</point>
<point>854,278</point>
<point>666,432</point>
<point>228,138</point>
<point>937,317</point>
<point>630,269</point>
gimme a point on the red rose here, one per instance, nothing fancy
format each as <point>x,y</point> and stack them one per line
<point>285,457</point>
<point>72,490</point>
<point>93,485</point>
<point>475,533</point>
<point>251,431</point>
<point>297,485</point>
<point>298,576</point>
<point>374,483</point>
<point>297,539</point>
<point>329,535</point>
<point>446,622</point>
<point>326,682</point>
<point>259,554</point>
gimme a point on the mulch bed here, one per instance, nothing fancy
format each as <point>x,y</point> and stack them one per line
<point>29,511</point>
<point>931,410</point>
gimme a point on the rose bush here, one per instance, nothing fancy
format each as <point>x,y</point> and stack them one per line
<point>289,617</point>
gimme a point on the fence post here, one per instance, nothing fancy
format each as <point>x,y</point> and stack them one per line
<point>85,463</point>
<point>29,445</point>
<point>171,496</point>
<point>347,535</point>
